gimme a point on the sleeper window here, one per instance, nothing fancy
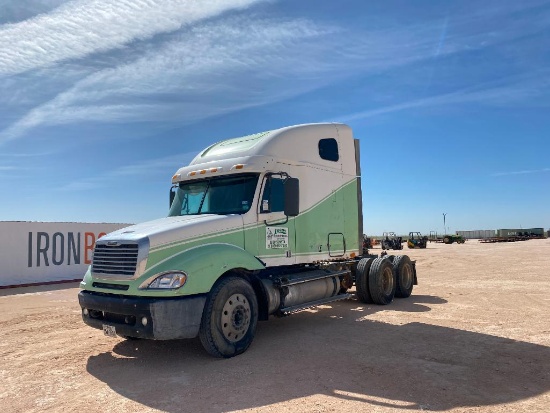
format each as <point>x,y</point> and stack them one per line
<point>328,149</point>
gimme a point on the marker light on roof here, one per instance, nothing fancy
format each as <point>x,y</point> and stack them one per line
<point>238,166</point>
<point>204,171</point>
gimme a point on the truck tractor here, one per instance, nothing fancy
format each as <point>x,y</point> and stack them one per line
<point>259,226</point>
<point>449,239</point>
<point>416,240</point>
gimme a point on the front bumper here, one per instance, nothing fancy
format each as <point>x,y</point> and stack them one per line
<point>167,318</point>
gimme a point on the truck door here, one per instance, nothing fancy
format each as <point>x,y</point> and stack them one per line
<point>276,232</point>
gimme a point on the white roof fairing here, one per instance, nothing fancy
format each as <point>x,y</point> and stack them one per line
<point>297,144</point>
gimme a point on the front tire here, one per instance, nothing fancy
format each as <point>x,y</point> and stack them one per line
<point>229,318</point>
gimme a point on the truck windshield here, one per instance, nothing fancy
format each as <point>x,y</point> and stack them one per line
<point>220,195</point>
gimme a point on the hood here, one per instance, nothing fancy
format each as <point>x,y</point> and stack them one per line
<point>166,230</point>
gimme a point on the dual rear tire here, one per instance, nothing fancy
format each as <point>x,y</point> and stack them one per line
<point>379,280</point>
<point>404,275</point>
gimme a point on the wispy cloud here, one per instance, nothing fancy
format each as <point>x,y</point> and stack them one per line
<point>15,11</point>
<point>8,172</point>
<point>151,167</point>
<point>25,155</point>
<point>525,172</point>
<point>79,28</point>
<point>224,65</point>
<point>515,90</point>
<point>209,70</point>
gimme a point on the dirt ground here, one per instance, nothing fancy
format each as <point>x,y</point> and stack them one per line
<point>473,337</point>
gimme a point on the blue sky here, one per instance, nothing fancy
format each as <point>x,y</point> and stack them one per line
<point>101,101</point>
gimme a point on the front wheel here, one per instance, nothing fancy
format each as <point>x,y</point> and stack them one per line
<point>229,318</point>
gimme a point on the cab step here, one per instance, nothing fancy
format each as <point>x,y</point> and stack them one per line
<point>300,307</point>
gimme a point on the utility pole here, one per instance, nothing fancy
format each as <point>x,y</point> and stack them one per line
<point>444,227</point>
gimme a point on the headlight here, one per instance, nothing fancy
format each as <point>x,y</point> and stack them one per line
<point>166,281</point>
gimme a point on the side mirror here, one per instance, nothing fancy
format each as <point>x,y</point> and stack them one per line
<point>172,195</point>
<point>292,197</point>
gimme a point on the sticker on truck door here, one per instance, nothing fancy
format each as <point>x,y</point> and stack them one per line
<point>276,238</point>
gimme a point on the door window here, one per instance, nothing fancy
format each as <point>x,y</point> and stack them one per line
<point>273,198</point>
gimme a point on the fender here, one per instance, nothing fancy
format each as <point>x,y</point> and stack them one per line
<point>204,264</point>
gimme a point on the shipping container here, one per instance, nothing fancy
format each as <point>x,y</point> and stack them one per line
<point>518,232</point>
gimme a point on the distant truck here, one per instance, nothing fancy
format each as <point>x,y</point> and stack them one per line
<point>447,238</point>
<point>266,224</point>
<point>450,238</point>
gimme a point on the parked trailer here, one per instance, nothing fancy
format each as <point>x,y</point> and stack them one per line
<point>264,225</point>
<point>511,238</point>
<point>477,234</point>
<point>434,237</point>
<point>520,232</point>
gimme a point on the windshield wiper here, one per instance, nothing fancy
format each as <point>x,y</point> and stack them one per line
<point>204,197</point>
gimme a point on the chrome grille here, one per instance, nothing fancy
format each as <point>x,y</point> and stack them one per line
<point>120,259</point>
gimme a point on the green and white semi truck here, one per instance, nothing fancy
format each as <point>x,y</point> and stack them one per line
<point>262,225</point>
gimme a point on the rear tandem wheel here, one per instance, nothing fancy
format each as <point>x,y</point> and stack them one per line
<point>404,275</point>
<point>362,280</point>
<point>382,283</point>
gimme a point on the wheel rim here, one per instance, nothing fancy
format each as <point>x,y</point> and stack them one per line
<point>235,317</point>
<point>406,276</point>
<point>387,281</point>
